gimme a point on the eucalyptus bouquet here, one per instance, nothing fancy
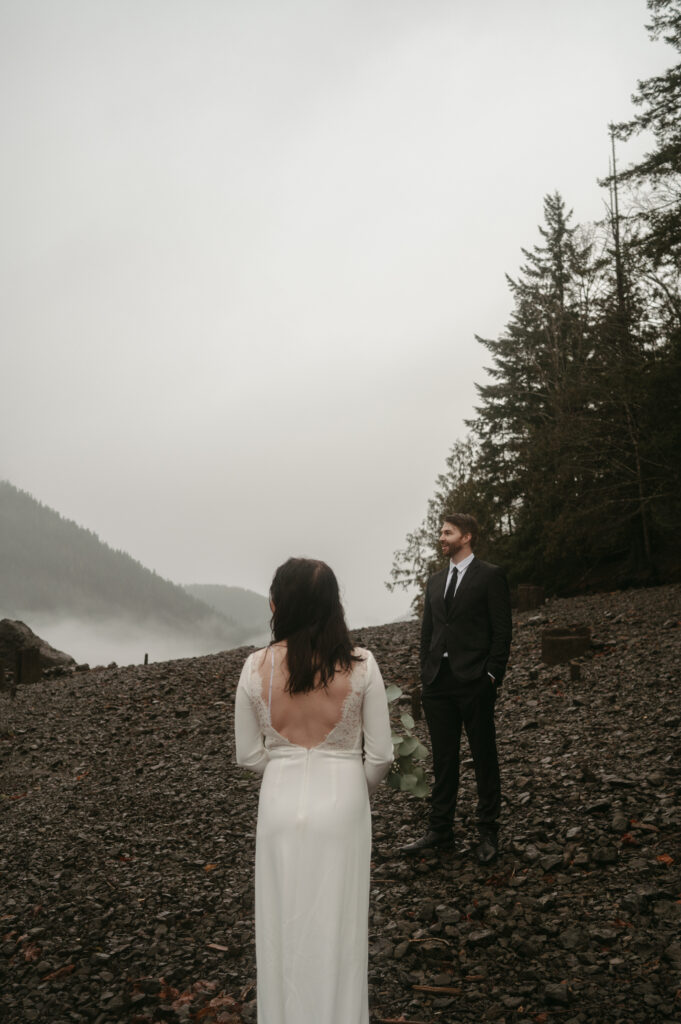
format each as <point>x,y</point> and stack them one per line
<point>407,748</point>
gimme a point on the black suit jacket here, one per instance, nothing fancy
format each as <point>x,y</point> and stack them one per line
<point>476,633</point>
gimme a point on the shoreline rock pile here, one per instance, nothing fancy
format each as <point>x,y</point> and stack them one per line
<point>127,837</point>
<point>16,636</point>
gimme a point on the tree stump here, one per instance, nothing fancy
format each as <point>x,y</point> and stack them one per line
<point>529,597</point>
<point>563,643</point>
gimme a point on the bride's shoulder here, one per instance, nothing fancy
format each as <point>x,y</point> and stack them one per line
<point>259,657</point>
<point>256,659</point>
<point>365,658</point>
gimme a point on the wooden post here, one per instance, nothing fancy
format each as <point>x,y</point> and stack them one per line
<point>146,659</point>
<point>529,597</point>
<point>28,668</point>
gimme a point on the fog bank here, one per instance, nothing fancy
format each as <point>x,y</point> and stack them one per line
<point>100,642</point>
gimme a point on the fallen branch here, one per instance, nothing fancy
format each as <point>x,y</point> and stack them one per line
<point>448,989</point>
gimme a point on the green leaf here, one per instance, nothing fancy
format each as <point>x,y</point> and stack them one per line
<point>408,746</point>
<point>419,752</point>
<point>421,789</point>
<point>392,692</point>
<point>395,780</point>
<point>406,720</point>
<point>417,787</point>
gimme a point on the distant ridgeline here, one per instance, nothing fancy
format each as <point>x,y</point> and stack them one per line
<point>249,610</point>
<point>50,565</point>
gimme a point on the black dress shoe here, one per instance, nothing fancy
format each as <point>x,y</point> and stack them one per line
<point>486,851</point>
<point>428,842</point>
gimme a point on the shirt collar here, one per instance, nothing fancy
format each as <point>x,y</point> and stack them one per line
<point>462,566</point>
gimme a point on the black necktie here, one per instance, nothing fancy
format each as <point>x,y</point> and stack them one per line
<point>451,587</point>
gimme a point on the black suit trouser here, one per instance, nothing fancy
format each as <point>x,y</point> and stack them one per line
<point>448,706</point>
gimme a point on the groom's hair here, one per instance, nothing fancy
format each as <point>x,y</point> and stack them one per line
<point>465,523</point>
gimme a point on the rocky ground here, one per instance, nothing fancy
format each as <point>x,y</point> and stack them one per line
<point>127,834</point>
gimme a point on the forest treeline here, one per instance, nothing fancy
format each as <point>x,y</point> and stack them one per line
<point>49,564</point>
<point>572,462</point>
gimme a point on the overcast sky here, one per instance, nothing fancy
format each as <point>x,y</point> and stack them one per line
<point>246,245</point>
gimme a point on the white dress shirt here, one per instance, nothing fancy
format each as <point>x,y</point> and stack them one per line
<point>461,566</point>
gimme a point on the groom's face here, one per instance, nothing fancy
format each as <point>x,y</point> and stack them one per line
<point>452,540</point>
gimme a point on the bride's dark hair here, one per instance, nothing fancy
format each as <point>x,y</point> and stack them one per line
<point>308,614</point>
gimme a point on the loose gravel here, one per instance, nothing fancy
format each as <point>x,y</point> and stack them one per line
<point>127,841</point>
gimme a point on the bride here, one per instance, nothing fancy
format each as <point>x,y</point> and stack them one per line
<point>311,715</point>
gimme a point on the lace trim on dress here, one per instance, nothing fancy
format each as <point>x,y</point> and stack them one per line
<point>346,734</point>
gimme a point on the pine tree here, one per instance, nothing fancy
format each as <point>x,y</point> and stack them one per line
<point>572,463</point>
<point>659,100</point>
<point>530,421</point>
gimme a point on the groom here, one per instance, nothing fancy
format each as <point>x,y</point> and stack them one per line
<point>465,643</point>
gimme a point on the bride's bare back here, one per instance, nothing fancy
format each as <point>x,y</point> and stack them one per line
<point>305,719</point>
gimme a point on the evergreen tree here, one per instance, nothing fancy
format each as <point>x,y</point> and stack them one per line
<point>573,462</point>
<point>531,421</point>
<point>659,102</point>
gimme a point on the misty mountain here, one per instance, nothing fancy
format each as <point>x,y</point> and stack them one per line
<point>250,611</point>
<point>52,570</point>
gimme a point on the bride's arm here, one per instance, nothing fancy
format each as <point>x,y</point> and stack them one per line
<point>378,748</point>
<point>250,747</point>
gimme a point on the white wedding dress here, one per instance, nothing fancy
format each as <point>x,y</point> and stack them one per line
<point>313,840</point>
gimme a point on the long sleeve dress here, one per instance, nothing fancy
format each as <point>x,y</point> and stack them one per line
<point>313,845</point>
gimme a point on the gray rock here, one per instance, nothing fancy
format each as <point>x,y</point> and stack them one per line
<point>673,954</point>
<point>448,915</point>
<point>571,938</point>
<point>557,994</point>
<point>620,822</point>
<point>604,855</point>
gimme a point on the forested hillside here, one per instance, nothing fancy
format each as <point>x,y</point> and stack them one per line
<point>51,565</point>
<point>572,463</point>
<point>247,609</point>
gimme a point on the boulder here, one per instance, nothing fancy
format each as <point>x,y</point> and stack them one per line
<point>16,636</point>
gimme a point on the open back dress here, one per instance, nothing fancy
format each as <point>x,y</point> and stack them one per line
<point>321,755</point>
